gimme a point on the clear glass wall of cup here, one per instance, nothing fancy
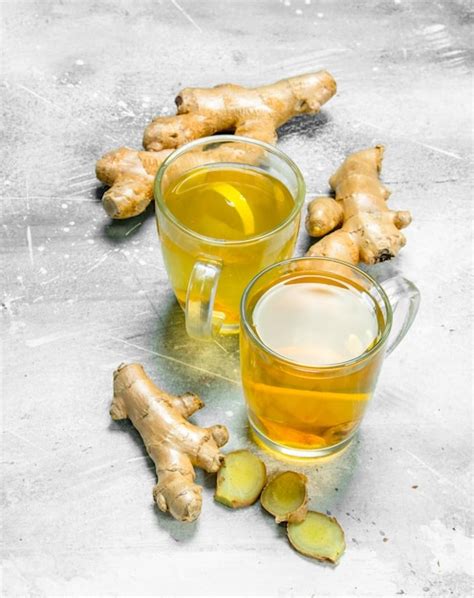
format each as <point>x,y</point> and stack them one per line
<point>313,411</point>
<point>208,275</point>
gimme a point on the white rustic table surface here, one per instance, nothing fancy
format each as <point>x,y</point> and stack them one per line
<point>82,294</point>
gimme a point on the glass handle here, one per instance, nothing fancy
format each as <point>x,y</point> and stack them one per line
<point>405,300</point>
<point>202,322</point>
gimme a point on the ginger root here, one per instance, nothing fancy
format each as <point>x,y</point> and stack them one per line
<point>285,497</point>
<point>174,444</point>
<point>240,479</point>
<point>130,175</point>
<point>318,536</point>
<point>255,113</point>
<point>368,231</point>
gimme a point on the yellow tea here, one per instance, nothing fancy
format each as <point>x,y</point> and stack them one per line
<point>299,389</point>
<point>230,209</point>
<point>229,203</point>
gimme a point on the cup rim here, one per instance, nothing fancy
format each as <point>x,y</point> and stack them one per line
<point>300,193</point>
<point>331,366</point>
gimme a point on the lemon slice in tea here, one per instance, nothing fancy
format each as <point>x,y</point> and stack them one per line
<point>236,200</point>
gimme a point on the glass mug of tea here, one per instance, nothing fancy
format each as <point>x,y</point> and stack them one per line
<point>314,335</point>
<point>226,208</point>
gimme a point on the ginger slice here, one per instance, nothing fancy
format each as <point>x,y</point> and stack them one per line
<point>240,480</point>
<point>250,112</point>
<point>318,536</point>
<point>367,230</point>
<point>285,497</point>
<point>174,444</point>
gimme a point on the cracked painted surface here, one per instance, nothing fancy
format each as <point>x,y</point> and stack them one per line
<point>82,294</point>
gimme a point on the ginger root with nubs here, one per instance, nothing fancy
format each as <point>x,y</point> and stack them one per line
<point>174,444</point>
<point>254,113</point>
<point>130,175</point>
<point>367,230</point>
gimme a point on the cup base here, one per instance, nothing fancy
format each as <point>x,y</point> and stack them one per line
<point>296,453</point>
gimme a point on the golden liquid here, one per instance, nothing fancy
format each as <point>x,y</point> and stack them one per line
<point>311,321</point>
<point>229,203</point>
<point>232,204</point>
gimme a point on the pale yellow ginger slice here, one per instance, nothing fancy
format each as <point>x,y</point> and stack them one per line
<point>318,536</point>
<point>285,497</point>
<point>240,480</point>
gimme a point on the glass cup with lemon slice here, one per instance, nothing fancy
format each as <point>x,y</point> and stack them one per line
<point>226,208</point>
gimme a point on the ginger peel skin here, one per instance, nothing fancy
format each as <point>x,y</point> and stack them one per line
<point>367,230</point>
<point>174,444</point>
<point>254,113</point>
